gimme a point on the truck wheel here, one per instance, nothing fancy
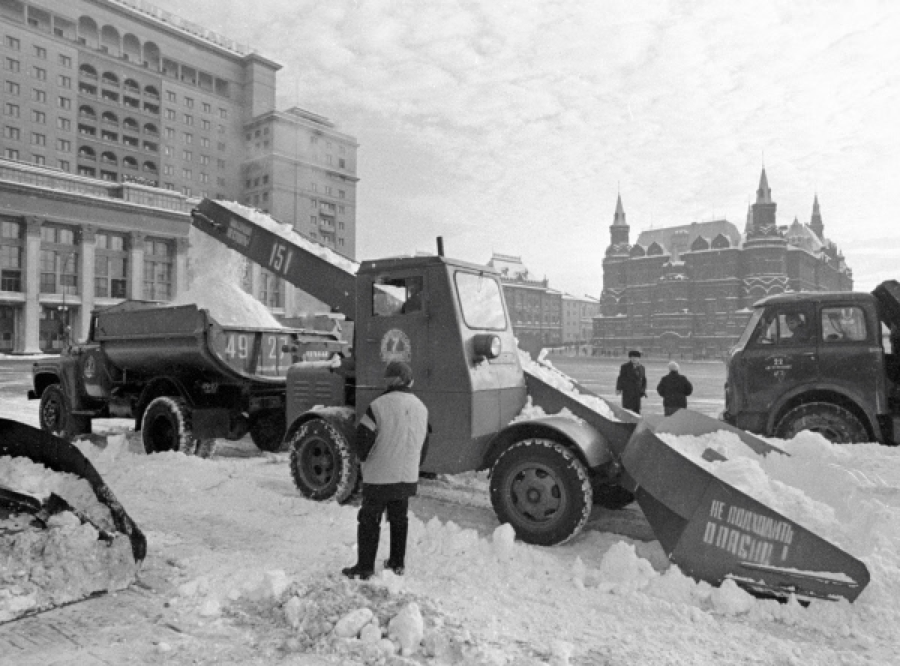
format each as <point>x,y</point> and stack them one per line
<point>166,426</point>
<point>54,410</point>
<point>323,464</point>
<point>542,489</point>
<point>267,430</point>
<point>833,422</point>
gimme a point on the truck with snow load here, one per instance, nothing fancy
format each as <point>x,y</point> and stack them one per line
<point>184,378</point>
<point>448,320</point>
<point>822,361</point>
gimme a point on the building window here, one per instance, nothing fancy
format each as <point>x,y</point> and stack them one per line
<point>205,124</point>
<point>64,165</point>
<point>187,155</point>
<point>11,252</point>
<point>39,95</point>
<point>40,52</point>
<point>39,159</point>
<point>204,178</point>
<point>111,266</point>
<point>188,119</point>
<point>341,194</point>
<point>12,88</point>
<point>11,154</point>
<point>39,73</point>
<point>65,61</point>
<point>204,159</point>
<point>170,114</point>
<point>59,261</point>
<point>13,43</point>
<point>270,291</point>
<point>188,138</point>
<point>38,139</point>
<point>39,117</point>
<point>12,64</point>
<point>65,103</point>
<point>158,268</point>
<point>64,124</point>
<point>189,102</point>
<point>204,142</point>
<point>64,81</point>
<point>221,146</point>
<point>168,170</point>
<point>13,133</point>
<point>186,174</point>
<point>171,96</point>
<point>64,145</point>
<point>220,163</point>
<point>11,109</point>
<point>168,151</point>
<point>170,133</point>
<point>207,107</point>
<point>223,113</point>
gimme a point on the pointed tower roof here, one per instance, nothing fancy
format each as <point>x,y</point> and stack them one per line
<point>619,218</point>
<point>815,223</point>
<point>763,194</point>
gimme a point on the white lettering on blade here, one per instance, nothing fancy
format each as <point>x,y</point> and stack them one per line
<point>750,536</point>
<point>239,231</point>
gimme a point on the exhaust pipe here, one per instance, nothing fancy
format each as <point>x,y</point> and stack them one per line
<point>440,246</point>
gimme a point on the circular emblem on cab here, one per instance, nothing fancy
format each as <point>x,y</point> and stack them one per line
<point>395,346</point>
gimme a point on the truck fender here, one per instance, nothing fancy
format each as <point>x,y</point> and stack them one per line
<point>825,393</point>
<point>342,418</point>
<point>156,387</point>
<point>579,436</point>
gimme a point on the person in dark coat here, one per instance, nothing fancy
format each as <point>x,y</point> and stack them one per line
<point>391,442</point>
<point>674,389</point>
<point>632,382</point>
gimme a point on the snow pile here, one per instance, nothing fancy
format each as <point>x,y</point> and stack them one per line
<point>215,275</point>
<point>544,370</point>
<point>67,560</point>
<point>287,232</point>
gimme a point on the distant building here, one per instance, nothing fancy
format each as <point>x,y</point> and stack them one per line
<point>131,101</point>
<point>578,322</point>
<point>534,308</point>
<point>684,291</point>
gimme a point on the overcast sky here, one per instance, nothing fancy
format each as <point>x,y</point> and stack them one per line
<point>509,126</point>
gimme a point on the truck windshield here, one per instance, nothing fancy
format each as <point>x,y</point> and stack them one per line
<point>481,301</point>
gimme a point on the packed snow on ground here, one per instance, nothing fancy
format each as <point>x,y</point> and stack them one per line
<point>248,571</point>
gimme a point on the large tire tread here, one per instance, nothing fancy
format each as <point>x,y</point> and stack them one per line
<point>837,424</point>
<point>571,482</point>
<point>176,415</point>
<point>324,465</point>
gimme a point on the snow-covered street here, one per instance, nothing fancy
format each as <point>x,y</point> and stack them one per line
<point>242,569</point>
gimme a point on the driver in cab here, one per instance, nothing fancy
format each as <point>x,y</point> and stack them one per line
<point>798,327</point>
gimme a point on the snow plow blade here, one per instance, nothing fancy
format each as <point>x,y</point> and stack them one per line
<point>715,532</point>
<point>21,440</point>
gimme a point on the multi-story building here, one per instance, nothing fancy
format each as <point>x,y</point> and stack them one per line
<point>686,290</point>
<point>534,308</point>
<point>578,322</point>
<point>123,92</point>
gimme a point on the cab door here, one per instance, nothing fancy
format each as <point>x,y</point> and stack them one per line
<point>394,329</point>
<point>850,355</point>
<point>778,360</point>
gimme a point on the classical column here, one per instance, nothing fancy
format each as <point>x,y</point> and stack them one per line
<point>136,264</point>
<point>29,341</point>
<point>181,272</point>
<point>87,271</point>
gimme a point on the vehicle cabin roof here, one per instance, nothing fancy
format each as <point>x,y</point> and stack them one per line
<point>817,296</point>
<point>391,264</point>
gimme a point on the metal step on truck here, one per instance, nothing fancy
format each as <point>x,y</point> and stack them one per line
<point>449,321</point>
<point>822,361</point>
<point>182,377</point>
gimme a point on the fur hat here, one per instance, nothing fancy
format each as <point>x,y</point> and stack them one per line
<point>400,372</point>
<point>634,354</point>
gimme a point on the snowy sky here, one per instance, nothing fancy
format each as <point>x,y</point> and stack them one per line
<point>510,126</point>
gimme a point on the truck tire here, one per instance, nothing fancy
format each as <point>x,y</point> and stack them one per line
<point>833,422</point>
<point>53,412</point>
<point>542,489</point>
<point>166,426</point>
<point>323,463</point>
<point>268,429</point>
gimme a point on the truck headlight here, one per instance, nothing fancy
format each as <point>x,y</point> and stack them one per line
<point>487,346</point>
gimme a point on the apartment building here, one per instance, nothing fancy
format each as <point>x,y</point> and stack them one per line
<point>115,92</point>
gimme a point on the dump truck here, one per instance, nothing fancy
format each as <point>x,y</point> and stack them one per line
<point>448,320</point>
<point>185,379</point>
<point>828,362</point>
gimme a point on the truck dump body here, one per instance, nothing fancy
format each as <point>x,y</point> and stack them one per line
<point>186,341</point>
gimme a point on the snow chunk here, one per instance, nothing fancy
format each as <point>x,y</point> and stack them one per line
<point>352,623</point>
<point>407,628</point>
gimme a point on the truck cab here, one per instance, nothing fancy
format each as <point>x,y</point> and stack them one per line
<point>815,361</point>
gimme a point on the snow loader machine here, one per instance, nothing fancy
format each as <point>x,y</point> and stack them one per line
<point>448,320</point>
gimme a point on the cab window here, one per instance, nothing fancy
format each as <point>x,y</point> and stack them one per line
<point>397,296</point>
<point>785,327</point>
<point>843,324</point>
<point>481,301</point>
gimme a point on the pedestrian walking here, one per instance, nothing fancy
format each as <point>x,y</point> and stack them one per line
<point>391,440</point>
<point>674,389</point>
<point>632,382</point>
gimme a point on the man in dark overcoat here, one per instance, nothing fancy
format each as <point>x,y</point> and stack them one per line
<point>632,382</point>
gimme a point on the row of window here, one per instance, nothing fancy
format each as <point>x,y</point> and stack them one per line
<point>15,44</point>
<point>59,263</point>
